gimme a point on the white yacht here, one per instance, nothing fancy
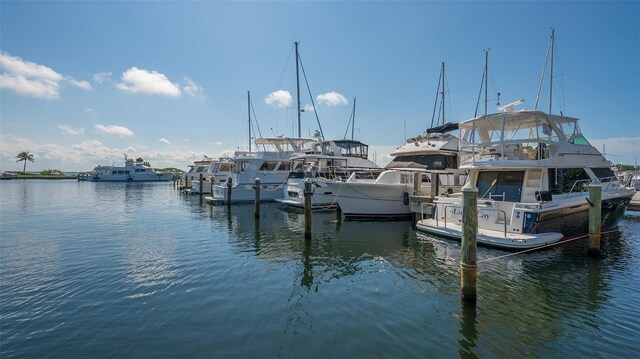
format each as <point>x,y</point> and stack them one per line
<point>207,167</point>
<point>531,170</point>
<point>328,161</point>
<point>132,171</point>
<point>271,165</point>
<point>386,196</point>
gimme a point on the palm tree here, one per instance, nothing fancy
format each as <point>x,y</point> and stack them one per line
<point>24,156</point>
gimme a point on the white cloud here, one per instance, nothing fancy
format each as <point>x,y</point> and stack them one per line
<point>114,130</point>
<point>101,77</point>
<point>192,88</point>
<point>70,130</point>
<point>85,85</point>
<point>164,140</point>
<point>137,80</point>
<point>31,79</point>
<point>332,99</point>
<point>308,108</point>
<point>280,98</point>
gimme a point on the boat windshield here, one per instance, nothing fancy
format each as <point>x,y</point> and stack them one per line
<point>432,162</point>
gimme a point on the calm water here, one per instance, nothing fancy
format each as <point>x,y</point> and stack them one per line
<point>92,270</point>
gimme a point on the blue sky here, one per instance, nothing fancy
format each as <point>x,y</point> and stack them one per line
<point>82,83</point>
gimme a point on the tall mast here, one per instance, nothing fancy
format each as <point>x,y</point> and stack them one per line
<point>486,75</point>
<point>443,93</point>
<point>553,31</point>
<point>353,117</point>
<point>249,112</point>
<point>298,86</point>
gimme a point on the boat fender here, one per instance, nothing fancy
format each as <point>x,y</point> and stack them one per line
<point>405,198</point>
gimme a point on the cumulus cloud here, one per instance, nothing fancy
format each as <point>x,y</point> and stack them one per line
<point>114,130</point>
<point>32,79</point>
<point>308,108</point>
<point>164,140</point>
<point>101,77</point>
<point>280,98</point>
<point>192,88</point>
<point>137,80</point>
<point>332,99</point>
<point>70,130</point>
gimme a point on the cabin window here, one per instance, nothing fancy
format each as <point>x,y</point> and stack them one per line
<point>200,169</point>
<point>567,180</point>
<point>285,166</point>
<point>434,162</point>
<point>604,174</point>
<point>500,185</point>
<point>268,166</point>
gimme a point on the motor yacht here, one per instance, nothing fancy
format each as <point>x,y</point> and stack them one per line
<point>132,171</point>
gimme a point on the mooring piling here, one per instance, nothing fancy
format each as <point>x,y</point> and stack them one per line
<point>595,217</point>
<point>469,260</point>
<point>201,185</point>
<point>256,207</point>
<point>229,184</point>
<point>307,208</point>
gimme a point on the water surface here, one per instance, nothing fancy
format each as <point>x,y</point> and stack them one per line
<point>140,270</point>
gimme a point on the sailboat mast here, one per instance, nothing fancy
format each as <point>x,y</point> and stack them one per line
<point>298,86</point>
<point>443,93</point>
<point>553,32</point>
<point>353,117</point>
<point>486,75</point>
<point>249,112</point>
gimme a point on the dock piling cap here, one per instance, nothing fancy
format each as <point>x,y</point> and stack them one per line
<point>595,183</point>
<point>469,187</point>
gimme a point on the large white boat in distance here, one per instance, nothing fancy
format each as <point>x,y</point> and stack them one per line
<point>327,161</point>
<point>133,171</point>
<point>531,170</point>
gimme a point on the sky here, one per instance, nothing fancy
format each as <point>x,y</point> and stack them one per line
<point>83,83</point>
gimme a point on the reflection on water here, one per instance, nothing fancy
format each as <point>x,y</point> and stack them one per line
<point>135,269</point>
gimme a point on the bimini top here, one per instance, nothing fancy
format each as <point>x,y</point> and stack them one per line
<point>523,139</point>
<point>285,144</point>
<point>521,125</point>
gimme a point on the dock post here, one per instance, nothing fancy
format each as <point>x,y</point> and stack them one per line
<point>256,207</point>
<point>435,184</point>
<point>212,179</point>
<point>469,261</point>
<point>186,181</point>
<point>338,213</point>
<point>229,184</point>
<point>307,208</point>
<point>417,183</point>
<point>595,217</point>
<point>201,187</point>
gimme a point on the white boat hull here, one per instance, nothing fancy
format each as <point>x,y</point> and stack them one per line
<point>322,198</point>
<point>372,200</point>
<point>511,241</point>
<point>245,193</point>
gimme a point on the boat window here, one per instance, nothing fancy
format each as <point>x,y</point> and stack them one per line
<point>566,180</point>
<point>435,162</point>
<point>126,172</point>
<point>200,169</point>
<point>500,185</point>
<point>285,166</point>
<point>604,174</point>
<point>227,167</point>
<point>268,165</point>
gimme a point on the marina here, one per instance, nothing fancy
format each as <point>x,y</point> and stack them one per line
<point>176,276</point>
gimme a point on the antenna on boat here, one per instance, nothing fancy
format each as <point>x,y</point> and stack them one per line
<point>443,93</point>
<point>510,106</point>
<point>553,37</point>
<point>352,120</point>
<point>485,77</point>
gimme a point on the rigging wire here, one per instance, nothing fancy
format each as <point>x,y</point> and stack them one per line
<point>544,70</point>
<point>435,103</point>
<point>479,94</point>
<point>311,97</point>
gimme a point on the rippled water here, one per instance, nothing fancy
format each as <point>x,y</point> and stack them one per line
<point>140,270</point>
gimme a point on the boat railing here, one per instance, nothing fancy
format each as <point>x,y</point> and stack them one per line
<point>581,186</point>
<point>436,216</point>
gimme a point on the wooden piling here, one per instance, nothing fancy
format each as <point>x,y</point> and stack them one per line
<point>256,207</point>
<point>212,179</point>
<point>469,261</point>
<point>435,184</point>
<point>595,217</point>
<point>229,184</point>
<point>201,185</point>
<point>417,183</point>
<point>307,208</point>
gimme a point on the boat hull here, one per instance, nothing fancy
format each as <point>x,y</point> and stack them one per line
<point>322,197</point>
<point>363,200</point>
<point>549,227</point>
<point>245,193</point>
